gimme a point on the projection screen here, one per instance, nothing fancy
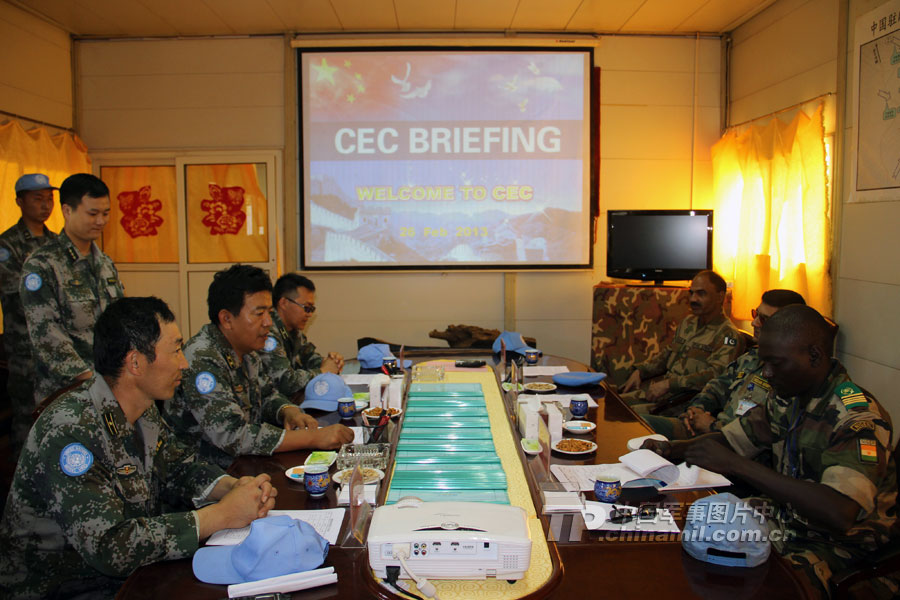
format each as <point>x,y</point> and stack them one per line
<point>445,158</point>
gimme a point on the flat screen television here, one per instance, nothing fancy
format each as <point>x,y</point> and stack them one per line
<point>658,245</point>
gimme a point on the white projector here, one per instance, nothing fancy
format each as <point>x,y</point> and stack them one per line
<point>451,540</point>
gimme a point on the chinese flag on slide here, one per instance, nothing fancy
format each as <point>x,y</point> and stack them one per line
<point>226,214</point>
<point>143,226</point>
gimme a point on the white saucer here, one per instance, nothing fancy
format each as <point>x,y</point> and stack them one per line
<point>579,427</point>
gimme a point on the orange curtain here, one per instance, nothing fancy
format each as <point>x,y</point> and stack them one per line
<point>773,219</point>
<point>143,225</point>
<point>36,151</point>
<point>226,214</point>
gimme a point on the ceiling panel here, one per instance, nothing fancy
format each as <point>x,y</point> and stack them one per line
<point>431,15</point>
<point>494,15</point>
<point>366,15</point>
<point>306,15</point>
<point>540,15</point>
<point>658,15</point>
<point>603,15</point>
<point>140,18</point>
<point>188,17</point>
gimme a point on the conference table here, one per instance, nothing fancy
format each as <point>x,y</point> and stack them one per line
<point>584,562</point>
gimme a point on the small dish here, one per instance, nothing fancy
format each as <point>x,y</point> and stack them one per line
<point>373,413</point>
<point>507,386</point>
<point>295,473</point>
<point>531,446</point>
<point>579,427</point>
<point>321,457</point>
<point>578,446</point>
<point>636,443</point>
<point>361,404</point>
<point>540,387</point>
<point>369,474</point>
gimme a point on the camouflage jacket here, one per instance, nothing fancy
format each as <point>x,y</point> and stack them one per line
<point>842,439</point>
<point>16,243</point>
<point>737,390</point>
<point>228,405</point>
<point>696,355</point>
<point>290,358</point>
<point>63,293</point>
<point>86,503</point>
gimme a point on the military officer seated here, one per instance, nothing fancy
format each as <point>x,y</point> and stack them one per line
<point>86,506</point>
<point>705,343</point>
<point>228,400</point>
<point>831,492</point>
<point>289,356</point>
<point>734,392</point>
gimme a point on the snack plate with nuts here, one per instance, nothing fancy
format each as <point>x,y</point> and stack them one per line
<point>573,446</point>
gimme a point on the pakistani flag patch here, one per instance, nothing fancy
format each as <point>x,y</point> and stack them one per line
<point>852,396</point>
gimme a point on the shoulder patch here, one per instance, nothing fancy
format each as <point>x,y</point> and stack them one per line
<point>4,255</point>
<point>271,344</point>
<point>205,382</point>
<point>851,396</point>
<point>868,451</point>
<point>75,460</point>
<point>730,341</point>
<point>33,282</point>
<point>860,425</point>
<point>126,470</point>
<point>112,280</point>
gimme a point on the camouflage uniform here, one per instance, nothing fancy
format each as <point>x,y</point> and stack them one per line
<point>82,532</point>
<point>696,355</point>
<point>227,405</point>
<point>290,358</point>
<point>842,439</point>
<point>16,243</point>
<point>63,293</point>
<point>731,394</point>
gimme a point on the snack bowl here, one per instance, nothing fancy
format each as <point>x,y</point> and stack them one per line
<point>373,414</point>
<point>579,427</point>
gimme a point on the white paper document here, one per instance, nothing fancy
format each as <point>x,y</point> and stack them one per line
<point>544,370</point>
<point>359,378</point>
<point>648,463</point>
<point>581,477</point>
<point>563,399</point>
<point>327,522</point>
<point>284,583</point>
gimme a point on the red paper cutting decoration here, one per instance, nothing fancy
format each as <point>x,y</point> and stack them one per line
<point>224,214</point>
<point>139,213</point>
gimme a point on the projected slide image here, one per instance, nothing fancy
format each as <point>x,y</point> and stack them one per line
<point>445,158</point>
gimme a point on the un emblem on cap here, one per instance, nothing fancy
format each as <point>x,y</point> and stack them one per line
<point>75,460</point>
<point>33,282</point>
<point>321,387</point>
<point>205,382</point>
<point>271,344</point>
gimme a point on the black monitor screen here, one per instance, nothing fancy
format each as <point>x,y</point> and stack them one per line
<point>658,244</point>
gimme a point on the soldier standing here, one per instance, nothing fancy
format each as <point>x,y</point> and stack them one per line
<point>289,356</point>
<point>34,196</point>
<point>65,286</point>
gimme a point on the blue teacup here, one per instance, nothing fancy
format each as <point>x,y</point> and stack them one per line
<point>607,489</point>
<point>316,479</point>
<point>346,407</point>
<point>532,357</point>
<point>578,407</point>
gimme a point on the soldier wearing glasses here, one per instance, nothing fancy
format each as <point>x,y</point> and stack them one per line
<point>289,356</point>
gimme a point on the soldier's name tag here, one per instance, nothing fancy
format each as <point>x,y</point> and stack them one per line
<point>271,344</point>
<point>205,382</point>
<point>744,406</point>
<point>33,282</point>
<point>4,255</point>
<point>75,460</point>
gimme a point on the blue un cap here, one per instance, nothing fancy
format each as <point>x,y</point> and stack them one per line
<point>371,356</point>
<point>724,530</point>
<point>514,343</point>
<point>277,545</point>
<point>322,392</point>
<point>31,182</point>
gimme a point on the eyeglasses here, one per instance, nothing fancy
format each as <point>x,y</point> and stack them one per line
<point>758,315</point>
<point>624,515</point>
<point>307,308</point>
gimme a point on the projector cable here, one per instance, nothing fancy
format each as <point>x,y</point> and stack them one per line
<point>393,574</point>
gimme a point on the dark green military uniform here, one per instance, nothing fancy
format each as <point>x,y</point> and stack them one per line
<point>63,294</point>
<point>228,405</point>
<point>842,439</point>
<point>16,243</point>
<point>731,394</point>
<point>697,354</point>
<point>86,504</point>
<point>290,358</point>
